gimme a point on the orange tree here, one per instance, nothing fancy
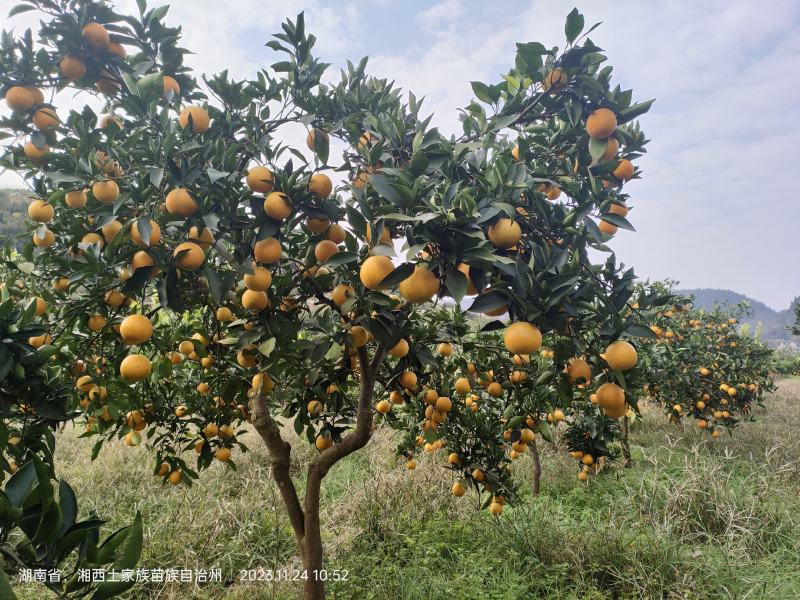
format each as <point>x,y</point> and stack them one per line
<point>206,272</point>
<point>700,366</point>
<point>39,526</point>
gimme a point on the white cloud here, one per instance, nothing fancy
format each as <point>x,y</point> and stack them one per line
<point>444,12</point>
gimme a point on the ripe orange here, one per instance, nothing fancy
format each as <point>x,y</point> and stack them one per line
<point>223,454</point>
<point>462,385</point>
<point>255,301</point>
<point>420,286</point>
<point>105,192</point>
<point>383,407</point>
<point>607,228</point>
<point>601,123</point>
<point>259,179</point>
<point>359,335</point>
<point>399,350</point>
<point>136,329</point>
<point>612,148</point>
<point>408,379</point>
<point>34,152</point>
<point>20,99</point>
<point>336,233</point>
<point>619,209</point>
<point>624,170</point>
<point>444,349</point>
<point>92,238</point>
<point>555,81</point>
<point>110,230</point>
<point>96,36</point>
<point>578,369</point>
<point>96,322</point>
<point>117,49</point>
<point>495,389</point>
<point>142,259</point>
<point>443,404</point>
<point>72,67</point>
<point>76,198</point>
<point>204,238</point>
<point>200,119</point>
<point>191,256</point>
<point>323,442</point>
<point>171,90</point>
<point>621,355</point>
<point>267,250</point>
<point>324,250</point>
<point>45,119</point>
<point>386,235</point>
<point>374,270</point>
<point>115,299</point>
<point>278,206</point>
<point>313,134</point>
<point>522,338</point>
<point>611,399</point>
<point>342,293</point>
<point>318,226</point>
<point>175,477</point>
<point>40,211</point>
<point>320,185</point>
<point>135,367</point>
<point>46,241</point>
<point>457,490</point>
<point>259,280</point>
<point>180,202</point>
<point>155,234</point>
<point>505,233</point>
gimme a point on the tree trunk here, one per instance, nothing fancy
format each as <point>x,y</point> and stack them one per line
<point>314,588</point>
<point>626,449</point>
<point>305,519</point>
<point>537,468</point>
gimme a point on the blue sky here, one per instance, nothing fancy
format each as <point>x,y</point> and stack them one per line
<point>716,207</point>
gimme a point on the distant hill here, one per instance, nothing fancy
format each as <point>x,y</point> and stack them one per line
<point>774,324</point>
<point>13,210</point>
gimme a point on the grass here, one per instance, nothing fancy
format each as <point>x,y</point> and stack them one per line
<point>691,519</point>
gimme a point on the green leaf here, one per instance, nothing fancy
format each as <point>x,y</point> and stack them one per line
<point>488,301</point>
<point>640,330</point>
<point>399,274</point>
<point>127,551</point>
<point>617,220</point>
<point>456,283</point>
<point>544,428</point>
<point>574,25</point>
<point>20,484</point>
<point>19,9</point>
<point>630,113</point>
<point>69,506</point>
<point>597,148</point>
<point>341,258</point>
<point>321,145</point>
<point>384,187</point>
<point>481,90</point>
<point>267,347</point>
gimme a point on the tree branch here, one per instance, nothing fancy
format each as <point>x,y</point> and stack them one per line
<point>279,452</point>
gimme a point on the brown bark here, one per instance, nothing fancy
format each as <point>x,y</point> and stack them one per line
<point>537,468</point>
<point>626,449</point>
<point>280,453</point>
<point>305,518</point>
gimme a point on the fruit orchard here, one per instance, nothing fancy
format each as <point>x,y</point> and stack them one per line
<point>195,269</point>
<point>700,367</point>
